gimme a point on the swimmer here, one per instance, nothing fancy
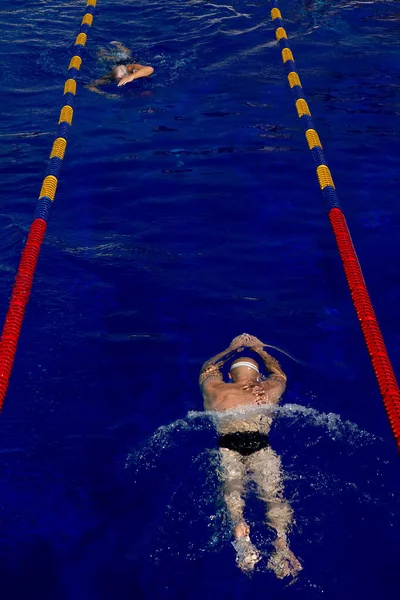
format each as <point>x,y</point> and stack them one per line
<point>121,73</point>
<point>245,450</point>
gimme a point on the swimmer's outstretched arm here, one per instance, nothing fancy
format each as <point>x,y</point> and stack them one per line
<point>252,342</point>
<point>211,368</point>
<point>275,384</point>
<point>139,71</point>
<point>270,363</point>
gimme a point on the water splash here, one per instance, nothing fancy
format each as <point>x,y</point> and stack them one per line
<point>195,520</point>
<point>288,415</point>
<point>168,436</point>
<point>330,424</point>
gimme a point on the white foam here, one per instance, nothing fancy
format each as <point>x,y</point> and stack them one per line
<point>286,415</point>
<point>196,502</point>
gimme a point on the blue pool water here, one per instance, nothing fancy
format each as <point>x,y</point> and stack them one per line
<point>187,212</point>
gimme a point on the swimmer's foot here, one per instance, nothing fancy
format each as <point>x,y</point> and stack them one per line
<point>241,530</point>
<point>283,562</point>
<point>247,555</point>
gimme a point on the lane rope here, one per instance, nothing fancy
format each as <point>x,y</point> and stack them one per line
<point>30,254</point>
<point>381,364</point>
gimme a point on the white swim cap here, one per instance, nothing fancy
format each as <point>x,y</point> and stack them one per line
<point>245,363</point>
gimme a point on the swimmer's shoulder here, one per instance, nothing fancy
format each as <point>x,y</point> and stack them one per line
<point>222,394</point>
<point>214,393</point>
<point>274,386</point>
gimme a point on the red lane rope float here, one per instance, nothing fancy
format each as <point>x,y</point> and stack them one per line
<point>30,254</point>
<point>386,378</point>
<point>19,299</point>
<point>383,369</point>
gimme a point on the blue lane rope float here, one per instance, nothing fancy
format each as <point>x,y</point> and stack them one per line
<point>30,254</point>
<point>381,364</point>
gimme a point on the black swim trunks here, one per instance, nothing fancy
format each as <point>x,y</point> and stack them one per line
<point>244,442</point>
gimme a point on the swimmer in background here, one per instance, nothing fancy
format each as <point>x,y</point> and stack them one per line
<point>120,73</point>
<point>245,450</point>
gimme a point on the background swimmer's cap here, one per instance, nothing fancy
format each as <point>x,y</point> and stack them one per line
<point>120,71</point>
<point>245,363</point>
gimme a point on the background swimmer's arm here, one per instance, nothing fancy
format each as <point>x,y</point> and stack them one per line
<point>121,48</point>
<point>101,53</point>
<point>93,87</point>
<point>125,53</point>
<point>140,71</point>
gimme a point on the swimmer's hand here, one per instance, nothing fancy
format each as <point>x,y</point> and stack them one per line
<point>246,340</point>
<point>126,80</point>
<point>238,341</point>
<point>140,71</point>
<point>254,342</point>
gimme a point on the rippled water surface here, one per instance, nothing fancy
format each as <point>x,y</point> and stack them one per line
<point>187,212</point>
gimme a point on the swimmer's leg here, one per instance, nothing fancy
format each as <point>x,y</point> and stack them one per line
<point>265,467</point>
<point>233,474</point>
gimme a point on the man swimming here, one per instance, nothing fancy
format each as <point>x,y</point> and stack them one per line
<point>244,447</point>
<point>121,73</point>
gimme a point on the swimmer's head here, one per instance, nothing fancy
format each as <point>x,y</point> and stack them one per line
<point>119,72</point>
<point>244,368</point>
